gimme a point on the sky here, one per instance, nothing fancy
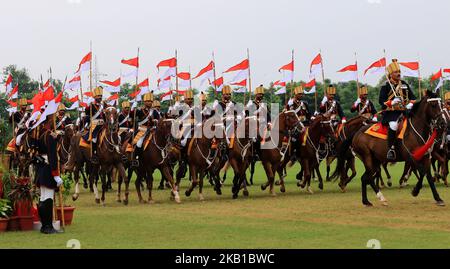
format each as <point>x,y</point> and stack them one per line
<point>38,34</point>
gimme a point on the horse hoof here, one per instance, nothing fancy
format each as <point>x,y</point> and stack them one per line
<point>201,198</point>
<point>125,202</point>
<point>384,203</point>
<point>119,201</point>
<point>177,199</point>
<point>368,204</point>
<point>343,190</point>
<point>219,191</point>
<point>74,197</point>
<point>151,201</point>
<point>211,182</point>
<point>389,184</point>
<point>141,201</point>
<point>235,196</point>
<point>277,183</point>
<point>414,192</point>
<point>283,189</point>
<point>103,204</point>
<point>97,201</point>
<point>187,193</point>
<point>160,187</point>
<point>310,191</point>
<point>85,186</point>
<point>321,186</point>
<point>440,203</point>
<point>263,187</point>
<point>273,194</point>
<point>245,193</point>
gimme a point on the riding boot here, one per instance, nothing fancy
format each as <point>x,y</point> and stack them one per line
<point>94,158</point>
<point>391,156</point>
<point>47,218</point>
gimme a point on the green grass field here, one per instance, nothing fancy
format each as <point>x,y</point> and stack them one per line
<point>295,219</point>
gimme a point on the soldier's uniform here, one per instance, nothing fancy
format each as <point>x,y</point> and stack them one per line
<point>144,122</point>
<point>63,119</point>
<point>18,119</point>
<point>259,109</point>
<point>394,101</point>
<point>95,110</point>
<point>186,111</point>
<point>301,106</point>
<point>47,177</point>
<point>331,106</point>
<point>363,106</point>
<point>447,110</point>
<point>224,108</point>
<point>125,120</point>
<point>157,107</point>
<point>205,109</point>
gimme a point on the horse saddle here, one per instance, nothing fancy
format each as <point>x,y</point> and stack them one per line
<point>380,131</point>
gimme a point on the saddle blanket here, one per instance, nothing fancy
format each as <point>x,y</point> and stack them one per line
<point>380,131</point>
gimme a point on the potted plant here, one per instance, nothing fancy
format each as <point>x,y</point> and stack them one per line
<point>5,211</point>
<point>68,209</point>
<point>22,195</point>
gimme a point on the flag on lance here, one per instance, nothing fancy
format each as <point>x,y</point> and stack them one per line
<point>377,67</point>
<point>218,83</point>
<point>144,86</point>
<point>14,94</point>
<point>410,69</point>
<point>244,65</point>
<point>288,71</point>
<point>316,66</point>
<point>132,62</point>
<point>311,85</point>
<point>281,84</point>
<point>8,84</point>
<point>446,73</point>
<point>74,84</point>
<point>113,86</point>
<point>112,99</point>
<point>437,75</point>
<point>206,72</point>
<point>184,80</point>
<point>350,73</point>
<point>85,63</point>
<point>166,96</point>
<point>75,103</point>
<point>172,67</point>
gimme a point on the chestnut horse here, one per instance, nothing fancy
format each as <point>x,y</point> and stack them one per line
<point>425,115</point>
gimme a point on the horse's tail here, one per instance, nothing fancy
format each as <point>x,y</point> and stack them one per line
<point>341,158</point>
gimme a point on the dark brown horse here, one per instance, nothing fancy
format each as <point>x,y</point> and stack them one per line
<point>274,156</point>
<point>157,156</point>
<point>425,116</point>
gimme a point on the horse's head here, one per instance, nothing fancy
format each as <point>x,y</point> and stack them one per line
<point>429,109</point>
<point>289,121</point>
<point>324,126</point>
<point>111,117</point>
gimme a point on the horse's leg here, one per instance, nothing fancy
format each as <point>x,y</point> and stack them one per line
<point>436,196</point>
<point>122,176</point>
<point>168,175</point>
<point>405,175</point>
<point>328,162</point>
<point>76,174</point>
<point>299,176</point>
<point>200,186</point>
<point>93,178</point>
<point>119,186</point>
<point>268,169</point>
<point>282,176</point>
<point>137,183</point>
<point>376,189</point>
<point>316,168</point>
<point>103,177</point>
<point>388,175</point>
<point>252,170</point>
<point>194,179</point>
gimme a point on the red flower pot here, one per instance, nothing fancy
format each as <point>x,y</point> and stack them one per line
<point>68,214</point>
<point>26,223</point>
<point>3,224</point>
<point>13,224</point>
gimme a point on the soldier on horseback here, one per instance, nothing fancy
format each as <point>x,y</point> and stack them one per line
<point>364,106</point>
<point>301,106</point>
<point>258,108</point>
<point>62,119</point>
<point>157,107</point>
<point>95,116</point>
<point>18,120</point>
<point>124,116</point>
<point>144,122</point>
<point>396,97</point>
<point>205,109</point>
<point>331,106</point>
<point>226,105</point>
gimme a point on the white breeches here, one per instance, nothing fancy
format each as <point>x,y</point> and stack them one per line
<point>46,193</point>
<point>18,139</point>
<point>393,125</point>
<point>186,132</point>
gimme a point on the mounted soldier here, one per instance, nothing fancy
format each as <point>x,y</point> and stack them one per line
<point>205,109</point>
<point>363,106</point>
<point>144,121</point>
<point>224,109</point>
<point>331,106</point>
<point>301,106</point>
<point>157,107</point>
<point>95,117</point>
<point>62,118</point>
<point>258,108</point>
<point>125,120</point>
<point>396,98</point>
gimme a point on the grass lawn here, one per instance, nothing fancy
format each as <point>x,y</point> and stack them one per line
<point>295,219</point>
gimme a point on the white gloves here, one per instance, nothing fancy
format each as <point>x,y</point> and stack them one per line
<point>324,100</point>
<point>344,120</point>
<point>58,180</point>
<point>358,101</point>
<point>396,101</point>
<point>375,119</point>
<point>290,102</point>
<point>409,106</point>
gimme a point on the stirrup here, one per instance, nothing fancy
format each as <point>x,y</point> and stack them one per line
<point>391,156</point>
<point>135,163</point>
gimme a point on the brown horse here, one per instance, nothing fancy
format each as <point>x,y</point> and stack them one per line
<point>425,116</point>
<point>308,148</point>
<point>157,156</point>
<point>202,159</point>
<point>275,158</point>
<point>64,144</point>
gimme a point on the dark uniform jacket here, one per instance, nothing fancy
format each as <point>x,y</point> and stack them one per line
<point>125,121</point>
<point>94,107</point>
<point>362,108</point>
<point>143,114</point>
<point>386,94</point>
<point>46,145</point>
<point>337,109</point>
<point>63,122</point>
<point>304,113</point>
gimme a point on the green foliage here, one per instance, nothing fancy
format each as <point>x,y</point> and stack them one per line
<point>66,186</point>
<point>5,208</point>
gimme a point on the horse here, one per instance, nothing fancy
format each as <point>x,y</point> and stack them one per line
<point>157,156</point>
<point>425,115</point>
<point>308,148</point>
<point>203,159</point>
<point>274,159</point>
<point>64,144</point>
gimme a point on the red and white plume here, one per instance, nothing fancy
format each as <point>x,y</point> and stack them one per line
<point>350,73</point>
<point>410,69</point>
<point>378,67</point>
